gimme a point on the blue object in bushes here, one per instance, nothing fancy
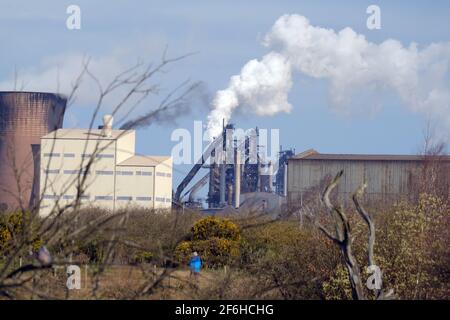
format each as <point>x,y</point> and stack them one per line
<point>195,264</point>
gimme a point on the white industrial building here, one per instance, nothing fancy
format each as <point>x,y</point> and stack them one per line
<point>101,166</point>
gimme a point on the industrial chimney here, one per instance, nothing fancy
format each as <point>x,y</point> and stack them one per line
<point>237,178</point>
<point>25,118</point>
<point>107,125</point>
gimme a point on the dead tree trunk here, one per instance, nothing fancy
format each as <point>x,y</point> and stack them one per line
<point>343,238</point>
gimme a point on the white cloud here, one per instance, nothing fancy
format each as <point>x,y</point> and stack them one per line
<point>350,63</point>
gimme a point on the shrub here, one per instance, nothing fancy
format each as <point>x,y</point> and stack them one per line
<point>211,227</point>
<point>183,251</point>
<point>11,227</point>
<point>414,244</point>
<point>94,250</point>
<point>216,240</point>
<point>143,257</point>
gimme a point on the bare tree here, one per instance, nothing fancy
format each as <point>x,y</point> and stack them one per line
<point>433,176</point>
<point>65,225</point>
<point>343,238</point>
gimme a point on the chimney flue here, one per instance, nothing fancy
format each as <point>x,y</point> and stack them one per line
<point>107,125</point>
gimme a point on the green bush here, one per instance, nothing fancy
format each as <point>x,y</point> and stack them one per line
<point>216,240</point>
<point>143,257</point>
<point>94,250</point>
<point>211,227</point>
<point>11,230</point>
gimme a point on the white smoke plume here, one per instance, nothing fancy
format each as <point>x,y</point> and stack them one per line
<point>349,62</point>
<point>262,86</point>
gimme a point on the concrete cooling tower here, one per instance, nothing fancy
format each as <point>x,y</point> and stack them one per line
<point>24,118</point>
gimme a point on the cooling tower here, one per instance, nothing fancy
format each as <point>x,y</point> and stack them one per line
<point>24,118</point>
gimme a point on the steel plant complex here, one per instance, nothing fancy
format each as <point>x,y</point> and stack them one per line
<point>40,162</point>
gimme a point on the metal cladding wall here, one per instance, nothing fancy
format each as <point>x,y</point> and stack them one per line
<point>388,181</point>
<point>24,118</point>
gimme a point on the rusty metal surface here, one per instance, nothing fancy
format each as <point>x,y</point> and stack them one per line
<point>388,179</point>
<point>24,118</point>
<point>314,155</point>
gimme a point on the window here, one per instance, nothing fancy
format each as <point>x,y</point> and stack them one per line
<point>143,173</point>
<point>104,172</point>
<point>86,155</point>
<point>104,155</point>
<point>124,173</point>
<point>77,171</point>
<point>159,199</point>
<point>51,155</point>
<point>50,196</point>
<point>69,155</point>
<point>160,174</point>
<point>144,198</point>
<point>124,198</point>
<point>68,197</point>
<point>84,197</point>
<point>168,200</point>
<point>103,197</point>
<point>51,171</point>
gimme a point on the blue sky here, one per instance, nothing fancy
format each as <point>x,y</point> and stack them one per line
<point>224,35</point>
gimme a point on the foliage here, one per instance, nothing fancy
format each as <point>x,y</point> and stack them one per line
<point>412,250</point>
<point>183,251</point>
<point>337,287</point>
<point>414,245</point>
<point>287,260</point>
<point>216,240</point>
<point>94,249</point>
<point>12,227</point>
<point>143,257</point>
<point>211,227</point>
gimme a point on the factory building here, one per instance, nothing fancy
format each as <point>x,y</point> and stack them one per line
<point>389,177</point>
<point>237,170</point>
<point>25,117</point>
<point>115,177</point>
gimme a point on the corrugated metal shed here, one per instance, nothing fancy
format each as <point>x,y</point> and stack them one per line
<point>389,177</point>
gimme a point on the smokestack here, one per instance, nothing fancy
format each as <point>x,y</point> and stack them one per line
<point>285,178</point>
<point>237,178</point>
<point>25,118</point>
<point>270,177</point>
<point>222,183</point>
<point>107,125</point>
<point>230,194</point>
<point>258,183</point>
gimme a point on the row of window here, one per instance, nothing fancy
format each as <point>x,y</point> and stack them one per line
<point>72,155</point>
<point>120,198</point>
<point>108,172</point>
<point>159,199</point>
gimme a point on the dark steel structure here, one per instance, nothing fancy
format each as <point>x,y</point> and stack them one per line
<point>228,179</point>
<point>281,176</point>
<point>24,118</point>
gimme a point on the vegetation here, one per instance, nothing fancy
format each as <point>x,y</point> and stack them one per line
<point>216,240</point>
<point>281,259</point>
<point>13,226</point>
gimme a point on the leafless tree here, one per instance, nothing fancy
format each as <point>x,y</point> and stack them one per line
<point>343,238</point>
<point>66,225</point>
<point>433,176</point>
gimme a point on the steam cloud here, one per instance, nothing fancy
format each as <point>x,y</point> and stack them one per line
<point>347,60</point>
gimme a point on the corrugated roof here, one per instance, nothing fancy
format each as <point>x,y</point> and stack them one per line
<point>85,134</point>
<point>143,161</point>
<point>314,155</point>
